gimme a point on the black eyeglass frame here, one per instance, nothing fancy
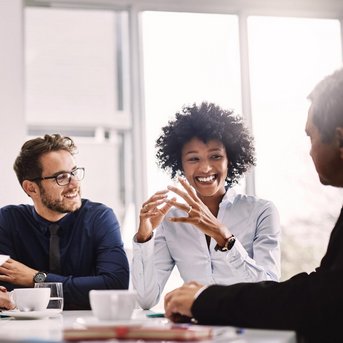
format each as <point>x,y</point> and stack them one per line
<point>72,173</point>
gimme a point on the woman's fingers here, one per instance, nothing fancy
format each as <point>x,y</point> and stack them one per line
<point>157,196</point>
<point>150,206</point>
<point>184,195</point>
<point>180,205</point>
<point>190,190</point>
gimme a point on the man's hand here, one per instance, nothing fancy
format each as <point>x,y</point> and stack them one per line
<point>5,300</point>
<point>17,273</point>
<point>179,301</point>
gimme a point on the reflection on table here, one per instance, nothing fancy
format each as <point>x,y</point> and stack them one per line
<point>51,329</point>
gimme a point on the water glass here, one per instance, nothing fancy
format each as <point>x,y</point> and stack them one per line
<point>56,294</point>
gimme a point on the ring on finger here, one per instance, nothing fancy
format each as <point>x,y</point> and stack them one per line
<point>190,209</point>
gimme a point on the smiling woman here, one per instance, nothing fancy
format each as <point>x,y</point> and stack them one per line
<point>212,234</point>
<point>206,166</point>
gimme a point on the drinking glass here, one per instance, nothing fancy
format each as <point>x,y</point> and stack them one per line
<point>56,294</point>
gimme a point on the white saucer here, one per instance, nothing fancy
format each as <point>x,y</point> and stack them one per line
<point>95,322</point>
<point>32,314</point>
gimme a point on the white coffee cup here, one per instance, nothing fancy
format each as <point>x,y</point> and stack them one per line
<point>31,299</point>
<point>114,304</point>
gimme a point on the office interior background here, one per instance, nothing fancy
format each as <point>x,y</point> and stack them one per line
<point>111,73</point>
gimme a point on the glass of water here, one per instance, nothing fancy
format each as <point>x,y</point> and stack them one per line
<point>56,295</point>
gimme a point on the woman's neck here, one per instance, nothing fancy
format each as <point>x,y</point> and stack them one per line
<point>212,202</point>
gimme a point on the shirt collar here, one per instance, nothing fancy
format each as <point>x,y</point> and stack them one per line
<point>228,197</point>
<point>43,224</point>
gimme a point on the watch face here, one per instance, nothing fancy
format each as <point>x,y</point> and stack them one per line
<point>230,243</point>
<point>39,277</point>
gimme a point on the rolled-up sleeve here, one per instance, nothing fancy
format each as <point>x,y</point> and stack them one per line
<point>263,261</point>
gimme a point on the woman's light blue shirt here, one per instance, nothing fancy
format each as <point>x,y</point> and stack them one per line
<point>254,257</point>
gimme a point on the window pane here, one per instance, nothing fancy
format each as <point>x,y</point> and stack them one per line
<point>72,66</point>
<point>288,56</point>
<point>76,83</point>
<point>188,57</point>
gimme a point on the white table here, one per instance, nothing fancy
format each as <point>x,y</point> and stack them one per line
<point>51,330</point>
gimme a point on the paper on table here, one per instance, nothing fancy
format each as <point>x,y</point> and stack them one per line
<point>3,259</point>
<point>147,333</point>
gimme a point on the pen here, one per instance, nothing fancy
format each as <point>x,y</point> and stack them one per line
<point>155,315</point>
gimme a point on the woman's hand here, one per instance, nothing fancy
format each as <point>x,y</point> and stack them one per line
<point>198,214</point>
<point>151,215</point>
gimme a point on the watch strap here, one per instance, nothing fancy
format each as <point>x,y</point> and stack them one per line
<point>228,244</point>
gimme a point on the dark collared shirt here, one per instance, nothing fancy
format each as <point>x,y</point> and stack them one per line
<point>92,253</point>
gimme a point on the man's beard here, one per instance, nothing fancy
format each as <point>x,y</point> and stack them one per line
<point>57,205</point>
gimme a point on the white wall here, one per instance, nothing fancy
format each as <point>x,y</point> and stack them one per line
<point>12,128</point>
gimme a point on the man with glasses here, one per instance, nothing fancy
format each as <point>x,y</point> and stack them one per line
<point>61,238</point>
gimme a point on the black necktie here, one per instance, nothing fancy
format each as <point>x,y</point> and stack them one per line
<point>54,251</point>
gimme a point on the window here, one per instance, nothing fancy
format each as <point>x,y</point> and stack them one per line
<point>77,76</point>
<point>198,59</point>
<point>188,57</point>
<point>288,56</point>
<point>77,85</point>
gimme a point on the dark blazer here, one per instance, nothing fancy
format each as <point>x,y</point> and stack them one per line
<point>311,304</point>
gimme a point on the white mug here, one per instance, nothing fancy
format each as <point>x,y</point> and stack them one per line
<point>31,299</point>
<point>114,304</point>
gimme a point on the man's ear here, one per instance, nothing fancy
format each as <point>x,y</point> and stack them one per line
<point>339,139</point>
<point>30,188</point>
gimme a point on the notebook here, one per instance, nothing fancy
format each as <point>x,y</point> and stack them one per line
<point>168,333</point>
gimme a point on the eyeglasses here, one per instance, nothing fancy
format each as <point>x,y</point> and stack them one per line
<point>64,178</point>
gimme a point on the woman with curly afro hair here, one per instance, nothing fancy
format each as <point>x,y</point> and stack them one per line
<point>212,234</point>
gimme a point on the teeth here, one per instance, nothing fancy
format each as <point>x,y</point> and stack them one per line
<point>71,195</point>
<point>206,179</point>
